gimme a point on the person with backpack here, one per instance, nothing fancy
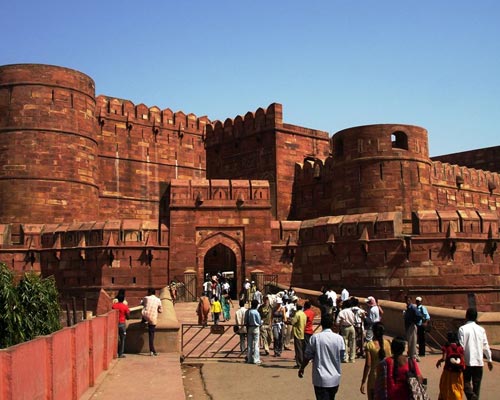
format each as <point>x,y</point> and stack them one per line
<point>412,316</point>
<point>451,384</point>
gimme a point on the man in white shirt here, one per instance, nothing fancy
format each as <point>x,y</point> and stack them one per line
<point>326,349</point>
<point>332,295</point>
<point>240,321</point>
<point>290,308</point>
<point>346,319</point>
<point>258,296</point>
<point>472,338</point>
<point>344,295</point>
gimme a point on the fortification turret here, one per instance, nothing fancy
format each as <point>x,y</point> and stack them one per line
<point>48,157</point>
<point>381,168</point>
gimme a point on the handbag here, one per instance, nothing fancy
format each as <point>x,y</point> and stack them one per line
<point>236,328</point>
<point>416,389</point>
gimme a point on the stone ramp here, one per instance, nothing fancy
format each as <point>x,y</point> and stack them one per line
<point>140,376</point>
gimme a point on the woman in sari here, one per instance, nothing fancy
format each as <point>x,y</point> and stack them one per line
<point>375,350</point>
<point>226,303</point>
<point>391,382</point>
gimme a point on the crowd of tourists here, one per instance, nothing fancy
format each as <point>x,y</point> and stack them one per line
<point>352,329</point>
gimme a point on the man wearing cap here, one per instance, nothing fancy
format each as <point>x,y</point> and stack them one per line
<point>422,326</point>
<point>372,316</point>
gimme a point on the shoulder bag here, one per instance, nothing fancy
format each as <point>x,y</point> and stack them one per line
<point>416,389</point>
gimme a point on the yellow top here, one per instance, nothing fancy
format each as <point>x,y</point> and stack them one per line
<point>216,307</point>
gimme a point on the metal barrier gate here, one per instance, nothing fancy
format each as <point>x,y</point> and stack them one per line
<point>213,341</point>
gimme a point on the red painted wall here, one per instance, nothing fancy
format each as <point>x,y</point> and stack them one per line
<point>57,366</point>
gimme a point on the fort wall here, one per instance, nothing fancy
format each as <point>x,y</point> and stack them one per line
<point>204,213</point>
<point>453,255</point>
<point>141,148</point>
<point>260,146</point>
<point>487,159</point>
<point>377,182</point>
<point>380,168</point>
<point>43,110</point>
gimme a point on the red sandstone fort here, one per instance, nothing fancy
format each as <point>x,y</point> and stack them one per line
<point>106,194</point>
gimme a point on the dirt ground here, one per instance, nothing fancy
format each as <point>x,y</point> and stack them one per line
<point>194,387</point>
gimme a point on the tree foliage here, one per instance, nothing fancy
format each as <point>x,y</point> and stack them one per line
<point>28,309</point>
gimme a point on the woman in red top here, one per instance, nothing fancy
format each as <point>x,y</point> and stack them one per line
<point>392,373</point>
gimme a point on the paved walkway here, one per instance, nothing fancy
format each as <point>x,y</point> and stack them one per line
<point>141,376</point>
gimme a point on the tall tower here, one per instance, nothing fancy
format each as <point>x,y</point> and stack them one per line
<point>48,146</point>
<point>380,168</point>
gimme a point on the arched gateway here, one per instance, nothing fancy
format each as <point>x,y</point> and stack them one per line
<point>220,253</point>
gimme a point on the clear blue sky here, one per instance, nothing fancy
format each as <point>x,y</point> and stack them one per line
<point>332,64</point>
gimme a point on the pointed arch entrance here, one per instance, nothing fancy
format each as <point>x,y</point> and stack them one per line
<point>220,253</point>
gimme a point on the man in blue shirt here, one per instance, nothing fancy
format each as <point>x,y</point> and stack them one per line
<point>421,326</point>
<point>253,323</point>
<point>326,349</point>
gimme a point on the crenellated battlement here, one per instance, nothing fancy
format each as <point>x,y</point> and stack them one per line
<point>313,170</point>
<point>126,111</point>
<point>465,178</point>
<point>233,129</point>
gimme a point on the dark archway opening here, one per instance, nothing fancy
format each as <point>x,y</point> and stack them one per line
<point>222,260</point>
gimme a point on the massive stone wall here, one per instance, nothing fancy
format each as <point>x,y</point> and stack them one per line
<point>452,254</point>
<point>48,142</point>
<point>103,193</point>
<point>391,179</point>
<point>261,146</point>
<point>487,159</point>
<point>140,149</point>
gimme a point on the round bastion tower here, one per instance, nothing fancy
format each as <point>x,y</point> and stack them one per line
<point>48,146</point>
<point>381,168</point>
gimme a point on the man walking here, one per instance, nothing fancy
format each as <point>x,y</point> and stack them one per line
<point>326,349</point>
<point>298,328</point>
<point>422,326</point>
<point>346,319</point>
<point>472,338</point>
<point>266,313</point>
<point>253,322</point>
<point>152,306</point>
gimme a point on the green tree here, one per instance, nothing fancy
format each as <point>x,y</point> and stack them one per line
<point>27,310</point>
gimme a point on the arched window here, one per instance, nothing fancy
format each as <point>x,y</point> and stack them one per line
<point>399,140</point>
